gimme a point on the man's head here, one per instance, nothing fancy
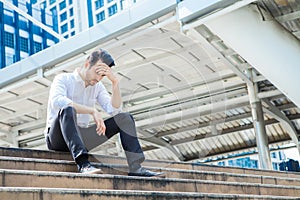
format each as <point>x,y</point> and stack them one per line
<point>96,66</point>
<point>100,55</point>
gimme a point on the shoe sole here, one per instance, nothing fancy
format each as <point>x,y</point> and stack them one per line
<point>98,171</point>
<point>159,176</point>
<point>156,176</point>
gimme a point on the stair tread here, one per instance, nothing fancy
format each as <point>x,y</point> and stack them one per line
<point>54,174</point>
<point>171,164</point>
<point>135,192</point>
<point>113,177</point>
<point>124,166</point>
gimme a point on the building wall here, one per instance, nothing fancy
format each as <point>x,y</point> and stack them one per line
<point>252,161</point>
<point>21,38</point>
<point>73,16</point>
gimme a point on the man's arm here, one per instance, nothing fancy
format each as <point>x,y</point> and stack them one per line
<point>82,109</point>
<point>116,99</point>
<point>104,70</point>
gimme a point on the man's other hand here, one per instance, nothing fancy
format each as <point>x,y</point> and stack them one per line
<point>100,126</point>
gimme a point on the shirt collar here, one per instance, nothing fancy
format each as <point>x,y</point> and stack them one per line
<point>77,76</point>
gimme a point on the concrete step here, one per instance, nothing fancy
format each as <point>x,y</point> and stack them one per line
<point>29,153</point>
<point>118,169</point>
<point>25,178</point>
<point>67,194</point>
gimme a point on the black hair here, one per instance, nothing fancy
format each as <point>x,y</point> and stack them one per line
<point>102,55</point>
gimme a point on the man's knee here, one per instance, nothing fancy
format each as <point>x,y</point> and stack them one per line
<point>124,116</point>
<point>126,123</point>
<point>68,111</point>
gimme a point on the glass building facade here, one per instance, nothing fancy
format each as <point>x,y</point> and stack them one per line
<point>71,17</point>
<point>20,37</point>
<point>252,161</point>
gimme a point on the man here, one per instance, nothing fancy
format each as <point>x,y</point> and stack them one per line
<point>71,103</point>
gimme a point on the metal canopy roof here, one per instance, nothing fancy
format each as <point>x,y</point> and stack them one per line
<point>184,91</point>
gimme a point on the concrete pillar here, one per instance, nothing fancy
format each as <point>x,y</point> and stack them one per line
<point>259,125</point>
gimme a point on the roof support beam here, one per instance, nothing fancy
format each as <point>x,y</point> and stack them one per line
<point>202,125</point>
<point>161,143</point>
<point>192,112</point>
<point>22,97</point>
<point>36,75</point>
<point>189,10</point>
<point>227,131</point>
<point>40,123</point>
<point>289,17</point>
<point>192,15</point>
<point>198,111</point>
<point>279,65</point>
<point>21,113</point>
<point>203,35</point>
<point>278,115</point>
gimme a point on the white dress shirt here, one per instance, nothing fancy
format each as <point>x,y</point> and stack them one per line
<point>69,87</point>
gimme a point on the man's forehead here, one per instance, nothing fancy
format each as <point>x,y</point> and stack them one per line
<point>101,63</point>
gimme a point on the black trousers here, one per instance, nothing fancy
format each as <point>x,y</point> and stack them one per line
<point>65,135</point>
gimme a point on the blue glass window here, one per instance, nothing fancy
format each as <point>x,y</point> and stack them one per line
<point>64,28</point>
<point>23,44</point>
<point>121,4</point>
<point>63,16</point>
<point>275,166</point>
<point>37,46</point>
<point>72,33</point>
<point>108,1</point>
<point>255,164</point>
<point>99,4</point>
<point>71,12</point>
<point>100,17</point>
<point>52,1</point>
<point>9,39</point>
<point>62,5</point>
<point>9,59</point>
<point>112,10</point>
<point>72,23</point>
<point>70,2</point>
<point>281,155</point>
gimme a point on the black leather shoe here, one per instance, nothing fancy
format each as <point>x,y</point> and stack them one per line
<point>147,173</point>
<point>89,169</point>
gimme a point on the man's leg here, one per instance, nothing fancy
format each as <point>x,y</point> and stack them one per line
<point>122,123</point>
<point>64,135</point>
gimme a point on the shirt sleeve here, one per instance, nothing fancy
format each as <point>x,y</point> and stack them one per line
<point>58,92</point>
<point>104,100</point>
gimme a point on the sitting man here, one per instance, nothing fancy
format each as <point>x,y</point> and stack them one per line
<point>71,103</point>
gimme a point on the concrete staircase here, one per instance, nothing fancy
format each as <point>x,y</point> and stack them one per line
<point>43,175</point>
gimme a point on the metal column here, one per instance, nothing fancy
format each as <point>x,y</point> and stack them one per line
<point>259,125</point>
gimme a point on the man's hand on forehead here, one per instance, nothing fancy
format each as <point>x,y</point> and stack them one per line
<point>102,68</point>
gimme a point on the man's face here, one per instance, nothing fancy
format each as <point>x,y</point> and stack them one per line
<point>95,73</point>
